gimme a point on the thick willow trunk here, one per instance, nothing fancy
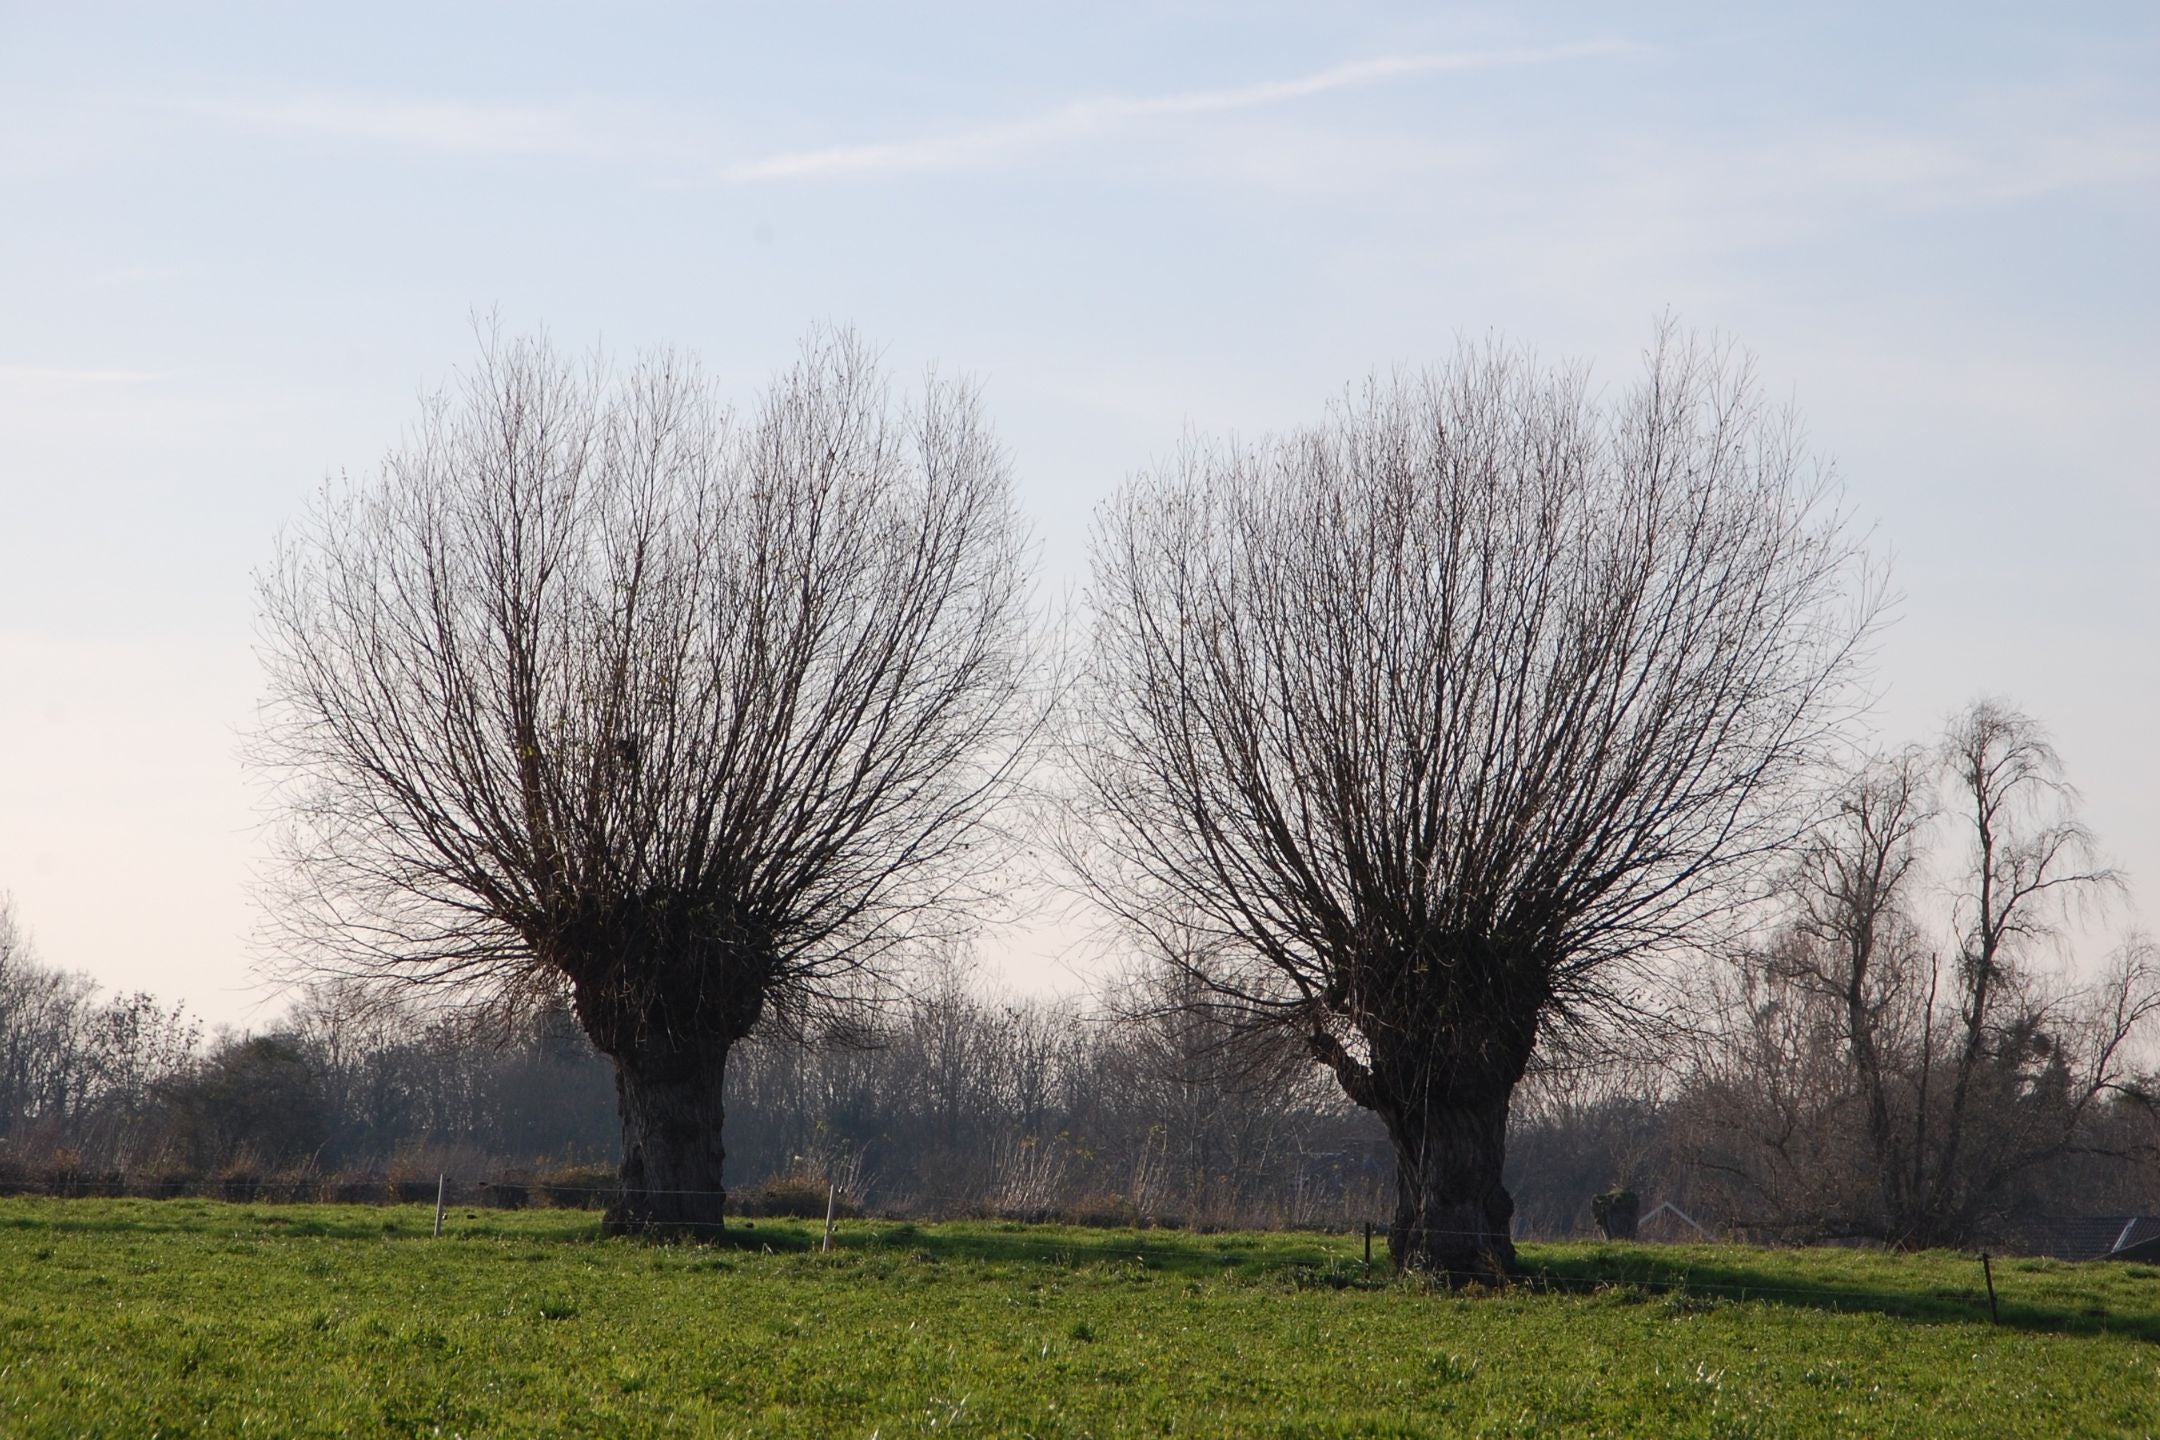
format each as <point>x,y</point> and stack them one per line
<point>1452,1212</point>
<point>671,1109</point>
<point>665,992</point>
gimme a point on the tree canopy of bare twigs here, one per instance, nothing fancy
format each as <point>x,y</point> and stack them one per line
<point>596,688</point>
<point>1420,724</point>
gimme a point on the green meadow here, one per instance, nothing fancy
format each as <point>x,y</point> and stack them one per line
<point>190,1317</point>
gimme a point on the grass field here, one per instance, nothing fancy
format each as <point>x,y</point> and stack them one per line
<point>191,1317</point>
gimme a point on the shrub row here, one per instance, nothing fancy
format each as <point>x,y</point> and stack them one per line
<point>572,1187</point>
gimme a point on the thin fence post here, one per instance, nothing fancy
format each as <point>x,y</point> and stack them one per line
<point>1368,1244</point>
<point>832,1195</point>
<point>1987,1271</point>
<point>442,1186</point>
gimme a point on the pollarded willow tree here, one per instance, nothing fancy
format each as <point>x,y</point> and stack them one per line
<point>595,690</point>
<point>1429,727</point>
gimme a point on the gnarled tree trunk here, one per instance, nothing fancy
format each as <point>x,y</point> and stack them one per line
<point>1449,1028</point>
<point>671,1106</point>
<point>1452,1212</point>
<point>665,992</point>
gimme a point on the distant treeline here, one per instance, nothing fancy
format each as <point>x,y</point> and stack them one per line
<point>955,1102</point>
<point>1132,1106</point>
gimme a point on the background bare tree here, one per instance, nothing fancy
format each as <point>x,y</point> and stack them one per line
<point>595,691</point>
<point>1903,1073</point>
<point>79,1074</point>
<point>1223,1101</point>
<point>40,1028</point>
<point>1855,958</point>
<point>14,941</point>
<point>1426,720</point>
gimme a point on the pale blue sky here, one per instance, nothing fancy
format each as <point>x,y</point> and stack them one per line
<point>234,247</point>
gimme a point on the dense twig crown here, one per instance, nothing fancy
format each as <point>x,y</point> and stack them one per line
<point>597,684</point>
<point>1414,722</point>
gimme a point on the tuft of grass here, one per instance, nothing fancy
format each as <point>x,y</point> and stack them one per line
<point>198,1317</point>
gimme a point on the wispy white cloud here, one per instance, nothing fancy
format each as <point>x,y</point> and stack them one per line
<point>1086,119</point>
<point>1758,184</point>
<point>679,143</point>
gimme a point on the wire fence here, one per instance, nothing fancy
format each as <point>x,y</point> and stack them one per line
<point>1301,1259</point>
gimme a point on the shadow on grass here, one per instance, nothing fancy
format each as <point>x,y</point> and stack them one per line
<point>1168,1252</point>
<point>1175,1252</point>
<point>1934,1292</point>
<point>2043,1297</point>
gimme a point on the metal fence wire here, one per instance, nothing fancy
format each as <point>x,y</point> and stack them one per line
<point>1338,1259</point>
